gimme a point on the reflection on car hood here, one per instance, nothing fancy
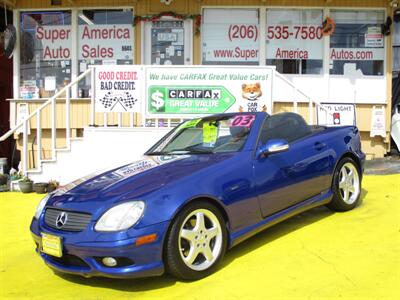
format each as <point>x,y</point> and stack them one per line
<point>139,177</point>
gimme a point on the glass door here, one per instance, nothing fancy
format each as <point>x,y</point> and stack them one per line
<point>167,42</point>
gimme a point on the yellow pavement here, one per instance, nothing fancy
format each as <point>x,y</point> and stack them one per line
<point>317,255</point>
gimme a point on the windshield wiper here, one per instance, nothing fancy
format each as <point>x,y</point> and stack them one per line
<point>199,151</point>
<point>157,153</point>
<point>182,152</point>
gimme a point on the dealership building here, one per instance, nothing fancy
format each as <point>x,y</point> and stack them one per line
<point>341,54</point>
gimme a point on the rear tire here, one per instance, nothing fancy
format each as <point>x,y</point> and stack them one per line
<point>196,242</point>
<point>346,186</point>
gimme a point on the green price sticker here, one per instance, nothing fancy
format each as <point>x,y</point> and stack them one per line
<point>210,133</point>
<point>190,124</point>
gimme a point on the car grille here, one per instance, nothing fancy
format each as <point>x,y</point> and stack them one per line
<point>68,260</point>
<point>74,221</point>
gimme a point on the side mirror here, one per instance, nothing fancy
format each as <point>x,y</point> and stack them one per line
<point>273,146</point>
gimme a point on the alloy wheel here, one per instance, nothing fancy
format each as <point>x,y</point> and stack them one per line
<point>349,183</point>
<point>200,239</point>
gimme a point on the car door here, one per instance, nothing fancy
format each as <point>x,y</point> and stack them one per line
<point>286,178</point>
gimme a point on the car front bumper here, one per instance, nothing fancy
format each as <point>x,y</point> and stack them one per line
<point>85,257</point>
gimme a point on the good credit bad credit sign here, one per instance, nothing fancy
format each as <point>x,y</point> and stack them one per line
<point>173,92</point>
<point>118,88</point>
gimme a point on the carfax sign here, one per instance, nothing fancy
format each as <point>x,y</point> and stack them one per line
<point>182,91</point>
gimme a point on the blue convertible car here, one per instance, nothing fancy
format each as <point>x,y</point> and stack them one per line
<point>206,186</point>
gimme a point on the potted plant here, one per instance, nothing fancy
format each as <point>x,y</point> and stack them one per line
<point>15,177</point>
<point>40,187</point>
<point>52,186</point>
<point>3,179</point>
<point>25,185</point>
<point>4,188</point>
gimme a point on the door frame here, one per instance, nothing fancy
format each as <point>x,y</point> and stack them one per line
<point>187,44</point>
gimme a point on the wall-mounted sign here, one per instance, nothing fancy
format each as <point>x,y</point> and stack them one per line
<point>294,34</point>
<point>178,91</point>
<point>374,37</point>
<point>230,35</point>
<point>378,123</point>
<point>95,41</point>
<point>55,41</point>
<point>105,41</point>
<point>373,40</point>
<point>357,53</point>
<point>118,88</point>
<point>337,114</point>
<point>22,114</point>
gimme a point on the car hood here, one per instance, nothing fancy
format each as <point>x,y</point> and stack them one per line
<point>131,181</point>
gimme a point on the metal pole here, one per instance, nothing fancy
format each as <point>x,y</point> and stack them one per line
<point>67,118</point>
<point>119,119</point>
<point>92,104</point>
<point>105,119</point>
<point>295,100</point>
<point>39,138</point>
<point>25,148</point>
<point>132,119</point>
<point>53,128</point>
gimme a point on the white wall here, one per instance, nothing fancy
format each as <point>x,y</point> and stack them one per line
<point>101,148</point>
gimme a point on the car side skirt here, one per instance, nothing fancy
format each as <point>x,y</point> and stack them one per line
<point>240,236</point>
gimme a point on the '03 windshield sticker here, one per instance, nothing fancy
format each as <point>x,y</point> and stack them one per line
<point>243,120</point>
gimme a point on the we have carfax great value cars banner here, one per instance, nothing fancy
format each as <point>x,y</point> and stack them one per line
<point>192,91</point>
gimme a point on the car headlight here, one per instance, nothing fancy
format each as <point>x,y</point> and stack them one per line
<point>41,206</point>
<point>120,217</point>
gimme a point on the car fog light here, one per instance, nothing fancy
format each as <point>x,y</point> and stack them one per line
<point>109,261</point>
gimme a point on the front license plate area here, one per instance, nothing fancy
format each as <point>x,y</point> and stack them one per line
<point>51,245</point>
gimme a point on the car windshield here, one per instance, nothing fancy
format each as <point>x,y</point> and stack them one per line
<point>215,134</point>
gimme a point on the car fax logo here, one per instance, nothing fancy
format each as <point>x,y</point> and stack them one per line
<point>160,96</point>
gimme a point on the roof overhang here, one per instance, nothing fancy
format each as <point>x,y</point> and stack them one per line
<point>10,4</point>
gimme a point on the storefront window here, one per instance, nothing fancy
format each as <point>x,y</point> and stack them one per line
<point>167,43</point>
<point>45,53</point>
<point>357,44</point>
<point>294,41</point>
<point>230,37</point>
<point>104,37</point>
<point>396,44</point>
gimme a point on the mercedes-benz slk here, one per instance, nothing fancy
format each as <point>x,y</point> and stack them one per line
<point>206,186</point>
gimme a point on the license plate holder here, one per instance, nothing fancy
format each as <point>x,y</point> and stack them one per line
<point>51,245</point>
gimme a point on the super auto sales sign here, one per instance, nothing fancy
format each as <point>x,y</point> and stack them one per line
<point>110,42</point>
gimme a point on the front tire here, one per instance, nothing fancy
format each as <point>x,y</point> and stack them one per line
<point>196,242</point>
<point>346,186</point>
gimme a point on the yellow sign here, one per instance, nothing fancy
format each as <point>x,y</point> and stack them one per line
<point>190,124</point>
<point>210,133</point>
<point>51,245</point>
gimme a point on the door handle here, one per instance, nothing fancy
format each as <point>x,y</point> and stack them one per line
<point>319,145</point>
